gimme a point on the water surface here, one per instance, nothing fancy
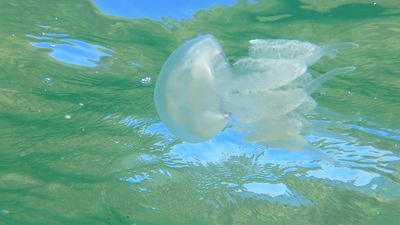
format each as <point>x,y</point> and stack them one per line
<point>81,141</point>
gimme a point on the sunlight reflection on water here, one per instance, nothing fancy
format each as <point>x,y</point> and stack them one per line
<point>72,51</point>
<point>176,9</point>
<point>253,171</point>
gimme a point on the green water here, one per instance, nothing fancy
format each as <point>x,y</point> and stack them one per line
<point>86,145</point>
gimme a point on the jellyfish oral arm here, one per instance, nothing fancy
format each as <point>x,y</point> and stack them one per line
<point>317,82</point>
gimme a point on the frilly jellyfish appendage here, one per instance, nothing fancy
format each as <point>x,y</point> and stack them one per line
<point>268,93</point>
<point>185,94</point>
<point>304,51</point>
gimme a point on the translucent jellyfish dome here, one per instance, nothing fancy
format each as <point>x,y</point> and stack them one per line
<point>198,92</point>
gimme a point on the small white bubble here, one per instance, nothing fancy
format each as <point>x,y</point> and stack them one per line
<point>67,117</point>
<point>80,104</point>
<point>96,72</point>
<point>145,80</point>
<point>52,45</point>
<point>134,64</point>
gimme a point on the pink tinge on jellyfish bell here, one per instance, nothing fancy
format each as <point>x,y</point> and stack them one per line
<point>228,115</point>
<point>198,92</point>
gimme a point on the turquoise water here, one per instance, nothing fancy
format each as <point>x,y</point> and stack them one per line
<point>81,141</point>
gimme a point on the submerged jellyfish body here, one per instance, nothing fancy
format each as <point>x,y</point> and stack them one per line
<point>267,93</point>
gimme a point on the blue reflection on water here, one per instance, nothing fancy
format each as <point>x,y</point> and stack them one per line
<point>251,170</point>
<point>72,51</point>
<point>273,193</point>
<point>155,9</point>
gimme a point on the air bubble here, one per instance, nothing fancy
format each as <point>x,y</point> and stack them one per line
<point>47,80</point>
<point>145,80</point>
<point>134,64</point>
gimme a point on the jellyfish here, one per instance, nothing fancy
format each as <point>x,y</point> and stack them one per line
<point>267,94</point>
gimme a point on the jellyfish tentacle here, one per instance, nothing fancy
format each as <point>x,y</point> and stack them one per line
<point>314,84</point>
<point>341,45</point>
<point>331,50</point>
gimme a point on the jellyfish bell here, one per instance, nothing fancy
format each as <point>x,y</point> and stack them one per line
<point>198,92</point>
<point>185,95</point>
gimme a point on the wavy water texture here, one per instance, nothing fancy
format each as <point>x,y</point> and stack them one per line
<point>84,144</point>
